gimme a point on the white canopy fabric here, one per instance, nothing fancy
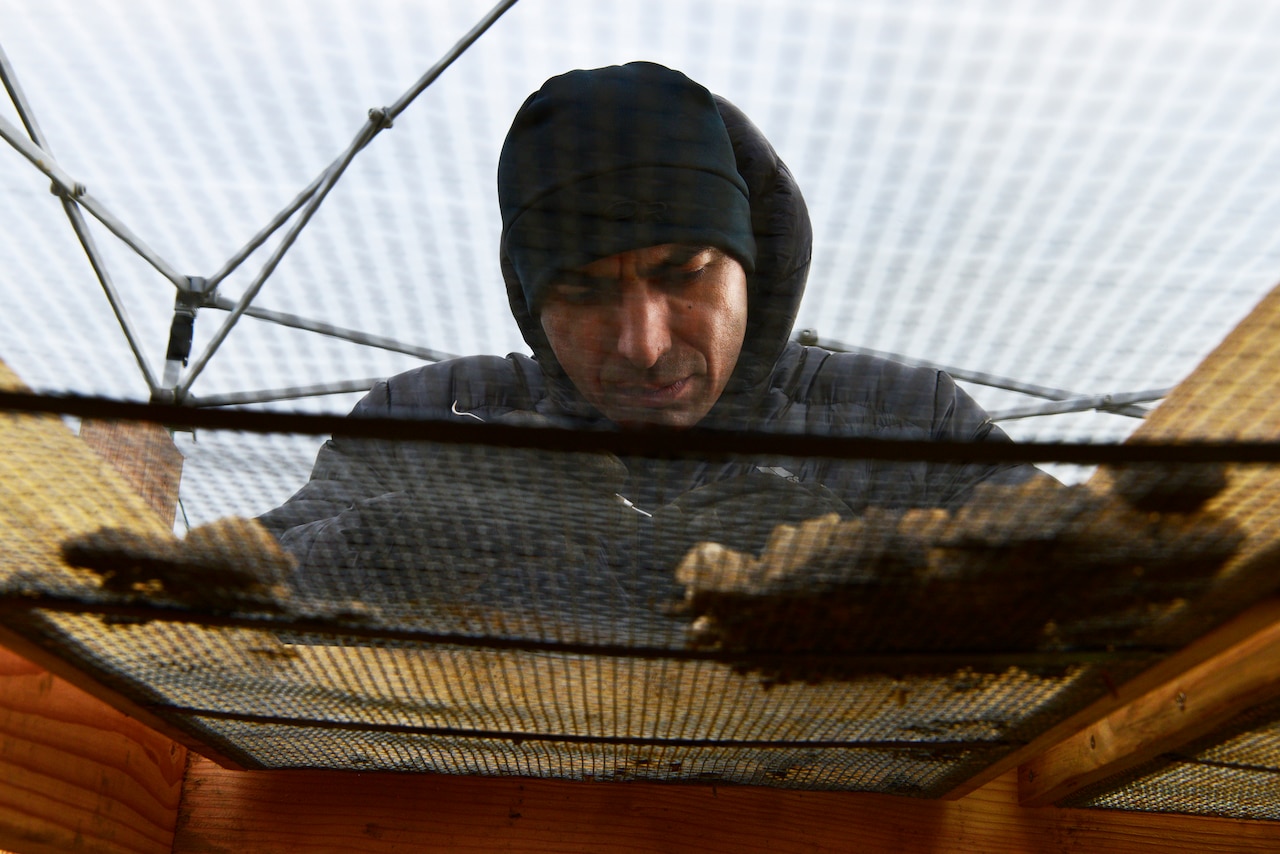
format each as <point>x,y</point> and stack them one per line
<point>1080,195</point>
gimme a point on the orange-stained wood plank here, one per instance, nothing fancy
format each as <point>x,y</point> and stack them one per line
<point>1262,617</point>
<point>1232,394</point>
<point>1194,704</point>
<point>76,774</point>
<point>54,486</point>
<point>145,456</point>
<point>295,811</point>
<point>59,668</point>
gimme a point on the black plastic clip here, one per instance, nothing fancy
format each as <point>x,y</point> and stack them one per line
<point>182,329</point>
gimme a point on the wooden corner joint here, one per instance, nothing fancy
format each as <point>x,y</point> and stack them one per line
<point>1189,706</point>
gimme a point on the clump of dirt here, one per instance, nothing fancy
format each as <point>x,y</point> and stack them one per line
<point>226,565</point>
<point>1035,567</point>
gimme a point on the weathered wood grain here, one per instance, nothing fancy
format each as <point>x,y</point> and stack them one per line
<point>1231,395</point>
<point>1194,704</point>
<point>1260,618</point>
<point>54,487</point>
<point>1234,394</point>
<point>144,455</point>
<point>286,811</point>
<point>76,774</point>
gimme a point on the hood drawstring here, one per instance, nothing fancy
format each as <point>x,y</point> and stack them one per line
<point>457,411</point>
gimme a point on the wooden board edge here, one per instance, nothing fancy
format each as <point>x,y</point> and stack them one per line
<point>1232,633</point>
<point>1194,704</point>
<point>299,811</point>
<point>67,672</point>
<point>76,774</point>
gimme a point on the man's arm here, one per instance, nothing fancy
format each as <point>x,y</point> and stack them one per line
<point>356,483</point>
<point>347,473</point>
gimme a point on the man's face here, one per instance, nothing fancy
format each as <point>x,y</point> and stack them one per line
<point>650,336</point>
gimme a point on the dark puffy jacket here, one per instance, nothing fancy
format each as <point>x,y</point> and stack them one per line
<point>415,524</point>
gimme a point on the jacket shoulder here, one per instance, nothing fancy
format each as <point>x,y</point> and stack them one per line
<point>481,385</point>
<point>813,374</point>
<point>864,394</point>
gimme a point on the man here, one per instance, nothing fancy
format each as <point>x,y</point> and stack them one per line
<point>655,250</point>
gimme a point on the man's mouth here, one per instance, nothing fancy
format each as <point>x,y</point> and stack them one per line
<point>651,394</point>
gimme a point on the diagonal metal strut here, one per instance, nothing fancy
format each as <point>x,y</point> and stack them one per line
<point>74,196</point>
<point>78,223</point>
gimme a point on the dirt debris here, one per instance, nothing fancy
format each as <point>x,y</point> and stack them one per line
<point>229,564</point>
<point>1035,567</point>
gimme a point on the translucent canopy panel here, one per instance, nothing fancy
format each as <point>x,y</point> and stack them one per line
<point>1072,201</point>
<point>1076,197</point>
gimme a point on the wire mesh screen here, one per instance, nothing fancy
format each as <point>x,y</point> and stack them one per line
<point>842,578</point>
<point>329,701</point>
<point>1234,772</point>
<point>533,619</point>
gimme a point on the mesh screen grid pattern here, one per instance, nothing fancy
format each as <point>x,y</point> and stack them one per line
<point>563,645</point>
<point>1234,771</point>
<point>334,703</point>
<point>1066,207</point>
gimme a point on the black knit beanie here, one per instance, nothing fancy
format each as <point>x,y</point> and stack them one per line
<point>614,159</point>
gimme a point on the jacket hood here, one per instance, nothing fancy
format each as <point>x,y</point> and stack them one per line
<point>784,246</point>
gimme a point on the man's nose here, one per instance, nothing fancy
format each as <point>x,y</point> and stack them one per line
<point>644,332</point>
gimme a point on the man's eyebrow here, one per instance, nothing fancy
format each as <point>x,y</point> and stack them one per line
<point>679,256</point>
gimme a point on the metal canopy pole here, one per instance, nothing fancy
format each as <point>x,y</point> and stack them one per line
<point>297,322</point>
<point>197,292</point>
<point>269,229</point>
<point>20,102</point>
<point>379,119</point>
<point>1084,403</point>
<point>454,52</point>
<point>391,113</point>
<point>46,164</point>
<point>236,398</point>
<point>367,132</point>
<point>113,297</point>
<point>78,223</point>
<point>1116,404</point>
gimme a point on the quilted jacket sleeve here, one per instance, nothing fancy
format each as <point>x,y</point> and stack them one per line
<point>864,396</point>
<point>959,418</point>
<point>434,523</point>
<point>355,484</point>
<point>367,484</point>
